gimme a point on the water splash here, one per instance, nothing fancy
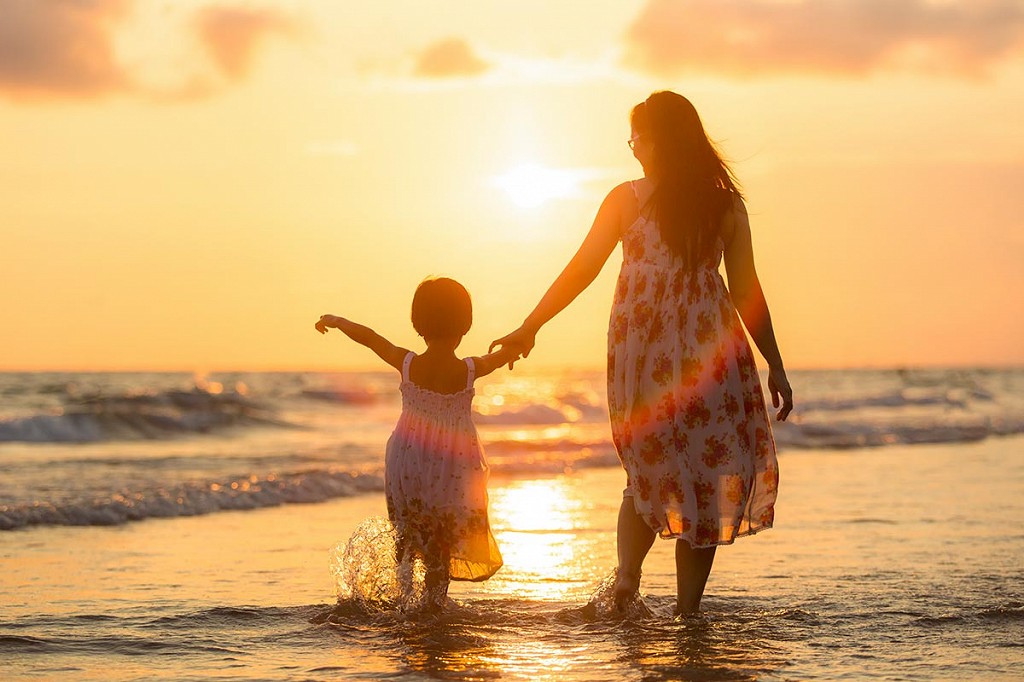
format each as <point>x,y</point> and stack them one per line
<point>602,602</point>
<point>364,568</point>
<point>367,575</point>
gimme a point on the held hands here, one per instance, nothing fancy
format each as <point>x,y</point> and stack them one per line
<point>325,322</point>
<point>778,386</point>
<point>520,342</point>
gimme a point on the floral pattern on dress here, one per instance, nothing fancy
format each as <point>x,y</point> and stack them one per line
<point>435,482</point>
<point>688,415</point>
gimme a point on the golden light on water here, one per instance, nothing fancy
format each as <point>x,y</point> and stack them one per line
<point>541,505</point>
<point>535,523</point>
<point>538,660</point>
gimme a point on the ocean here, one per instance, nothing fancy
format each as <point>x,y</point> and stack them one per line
<point>168,525</point>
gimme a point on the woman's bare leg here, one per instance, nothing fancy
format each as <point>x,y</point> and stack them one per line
<point>693,565</point>
<point>633,539</point>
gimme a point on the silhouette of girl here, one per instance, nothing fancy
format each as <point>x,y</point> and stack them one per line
<point>435,474</point>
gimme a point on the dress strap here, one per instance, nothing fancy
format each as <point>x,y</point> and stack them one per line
<point>636,196</point>
<point>470,373</point>
<point>405,365</point>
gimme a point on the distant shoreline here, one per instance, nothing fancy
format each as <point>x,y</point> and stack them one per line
<point>526,366</point>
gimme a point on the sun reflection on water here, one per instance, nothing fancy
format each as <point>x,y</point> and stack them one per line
<point>535,524</point>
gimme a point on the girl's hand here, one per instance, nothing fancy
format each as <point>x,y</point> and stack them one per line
<point>778,386</point>
<point>324,322</point>
<point>521,342</point>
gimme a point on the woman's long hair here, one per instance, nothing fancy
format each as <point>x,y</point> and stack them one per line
<point>694,187</point>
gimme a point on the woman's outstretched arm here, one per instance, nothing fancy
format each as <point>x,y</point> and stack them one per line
<point>748,297</point>
<point>385,350</point>
<point>485,364</point>
<point>581,270</point>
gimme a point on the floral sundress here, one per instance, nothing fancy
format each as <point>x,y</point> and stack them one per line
<point>688,416</point>
<point>435,479</point>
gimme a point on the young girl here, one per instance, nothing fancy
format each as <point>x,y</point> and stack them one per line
<point>434,469</point>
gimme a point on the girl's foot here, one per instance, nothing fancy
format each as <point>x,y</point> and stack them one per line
<point>626,587</point>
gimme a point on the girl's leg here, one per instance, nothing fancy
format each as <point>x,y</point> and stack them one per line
<point>693,565</point>
<point>404,559</point>
<point>400,549</point>
<point>436,585</point>
<point>437,578</point>
<point>633,539</point>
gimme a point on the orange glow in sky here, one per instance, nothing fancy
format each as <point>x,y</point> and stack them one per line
<point>191,185</point>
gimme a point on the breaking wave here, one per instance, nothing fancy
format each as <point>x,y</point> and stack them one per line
<point>192,499</point>
<point>144,416</point>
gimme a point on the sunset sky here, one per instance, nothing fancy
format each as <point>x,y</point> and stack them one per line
<point>189,185</point>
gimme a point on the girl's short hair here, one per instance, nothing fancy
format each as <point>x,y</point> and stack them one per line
<point>441,307</point>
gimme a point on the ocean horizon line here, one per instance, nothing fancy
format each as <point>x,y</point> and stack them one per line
<point>527,366</point>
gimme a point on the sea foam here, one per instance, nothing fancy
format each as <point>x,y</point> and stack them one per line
<point>192,499</point>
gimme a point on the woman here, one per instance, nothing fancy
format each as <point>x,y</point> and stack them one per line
<point>688,416</point>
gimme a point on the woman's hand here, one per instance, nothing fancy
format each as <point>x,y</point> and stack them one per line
<point>324,322</point>
<point>521,342</point>
<point>778,386</point>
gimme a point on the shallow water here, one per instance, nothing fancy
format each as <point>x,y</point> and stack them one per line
<point>514,640</point>
<point>86,449</point>
<point>897,563</point>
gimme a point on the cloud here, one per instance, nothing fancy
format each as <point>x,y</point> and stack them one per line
<point>851,37</point>
<point>65,49</point>
<point>448,58</point>
<point>504,70</point>
<point>60,48</point>
<point>233,35</point>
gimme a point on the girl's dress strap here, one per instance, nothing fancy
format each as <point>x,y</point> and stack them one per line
<point>405,365</point>
<point>470,373</point>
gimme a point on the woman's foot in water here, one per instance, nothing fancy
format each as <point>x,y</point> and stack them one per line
<point>626,586</point>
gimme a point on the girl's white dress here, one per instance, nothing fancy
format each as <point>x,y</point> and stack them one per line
<point>436,479</point>
<point>688,417</point>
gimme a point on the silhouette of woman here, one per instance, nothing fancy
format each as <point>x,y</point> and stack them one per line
<point>688,416</point>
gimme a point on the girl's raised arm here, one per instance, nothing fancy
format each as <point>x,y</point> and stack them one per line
<point>385,350</point>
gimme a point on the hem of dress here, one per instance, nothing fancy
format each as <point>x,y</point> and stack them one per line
<point>750,531</point>
<point>477,579</point>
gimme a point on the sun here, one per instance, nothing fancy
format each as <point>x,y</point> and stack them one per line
<point>530,184</point>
